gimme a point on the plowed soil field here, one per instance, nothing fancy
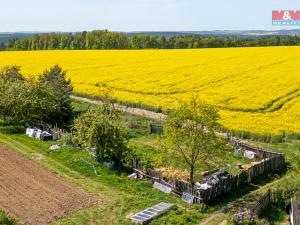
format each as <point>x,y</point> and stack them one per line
<point>34,195</point>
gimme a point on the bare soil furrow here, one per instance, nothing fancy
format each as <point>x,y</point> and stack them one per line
<point>34,195</point>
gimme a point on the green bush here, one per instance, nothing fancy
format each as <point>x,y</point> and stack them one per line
<point>6,219</point>
<point>243,218</point>
<point>101,129</point>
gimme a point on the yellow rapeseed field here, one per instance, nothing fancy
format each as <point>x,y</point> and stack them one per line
<point>256,89</point>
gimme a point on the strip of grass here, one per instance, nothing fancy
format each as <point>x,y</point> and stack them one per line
<point>6,219</point>
<point>274,214</point>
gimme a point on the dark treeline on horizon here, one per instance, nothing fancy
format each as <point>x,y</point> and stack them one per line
<point>103,39</point>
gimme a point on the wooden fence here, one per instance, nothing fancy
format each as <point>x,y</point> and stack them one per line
<point>272,162</point>
<point>295,212</point>
<point>57,133</point>
<point>261,153</point>
<point>263,202</point>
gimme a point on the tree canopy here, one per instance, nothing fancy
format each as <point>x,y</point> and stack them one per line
<point>101,129</point>
<point>190,133</point>
<point>30,101</point>
<point>11,73</point>
<point>104,39</point>
<point>56,79</point>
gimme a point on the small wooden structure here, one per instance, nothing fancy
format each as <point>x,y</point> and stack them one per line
<point>150,213</point>
<point>154,129</point>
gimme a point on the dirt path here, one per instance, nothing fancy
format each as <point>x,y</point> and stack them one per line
<point>130,110</point>
<point>216,218</point>
<point>35,195</point>
<point>134,111</point>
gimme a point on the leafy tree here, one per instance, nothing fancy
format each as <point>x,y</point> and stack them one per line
<point>36,102</point>
<point>11,73</point>
<point>62,88</point>
<point>2,46</point>
<point>101,129</point>
<point>189,132</point>
<point>104,39</point>
<point>27,101</point>
<point>6,100</point>
<point>9,76</point>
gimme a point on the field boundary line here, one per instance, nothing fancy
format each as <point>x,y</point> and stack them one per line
<point>126,109</point>
<point>269,107</point>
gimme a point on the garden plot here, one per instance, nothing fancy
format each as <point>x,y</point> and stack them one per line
<point>34,195</point>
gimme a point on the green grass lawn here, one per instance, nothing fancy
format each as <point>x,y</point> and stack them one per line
<point>122,197</point>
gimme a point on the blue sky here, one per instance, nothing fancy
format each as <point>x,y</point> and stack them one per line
<point>139,15</point>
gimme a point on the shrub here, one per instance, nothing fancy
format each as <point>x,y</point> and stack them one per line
<point>243,218</point>
<point>5,219</point>
<point>101,129</point>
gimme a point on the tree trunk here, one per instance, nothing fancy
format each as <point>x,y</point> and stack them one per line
<point>192,168</point>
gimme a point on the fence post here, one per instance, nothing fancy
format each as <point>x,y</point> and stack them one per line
<point>294,212</point>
